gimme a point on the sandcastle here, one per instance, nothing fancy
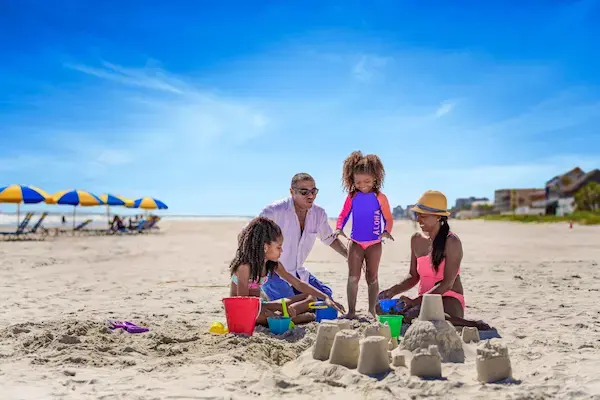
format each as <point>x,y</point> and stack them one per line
<point>492,362</point>
<point>470,334</point>
<point>346,349</point>
<point>426,363</point>
<point>325,336</point>
<point>342,346</point>
<point>373,358</point>
<point>429,341</point>
<point>431,328</point>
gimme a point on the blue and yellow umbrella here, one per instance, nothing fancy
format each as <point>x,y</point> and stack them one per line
<point>18,194</point>
<point>75,198</point>
<point>149,203</point>
<point>113,200</point>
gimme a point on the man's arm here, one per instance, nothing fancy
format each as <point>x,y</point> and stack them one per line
<point>326,236</point>
<point>339,247</point>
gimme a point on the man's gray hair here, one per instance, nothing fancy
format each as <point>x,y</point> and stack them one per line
<point>300,177</point>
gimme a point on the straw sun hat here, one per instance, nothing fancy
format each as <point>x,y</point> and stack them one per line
<point>432,202</point>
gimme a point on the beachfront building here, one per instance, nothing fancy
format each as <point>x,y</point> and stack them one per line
<point>560,190</point>
<point>517,200</point>
<point>466,203</point>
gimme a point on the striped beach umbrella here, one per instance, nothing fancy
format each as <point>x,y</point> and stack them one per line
<point>75,197</point>
<point>18,194</point>
<point>114,200</point>
<point>149,203</point>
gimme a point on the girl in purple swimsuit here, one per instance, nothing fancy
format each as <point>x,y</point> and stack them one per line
<point>372,221</point>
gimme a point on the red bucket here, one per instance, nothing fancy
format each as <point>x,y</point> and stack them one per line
<point>241,313</point>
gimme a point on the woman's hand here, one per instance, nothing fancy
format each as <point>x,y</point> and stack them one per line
<point>331,303</point>
<point>386,294</point>
<point>408,302</point>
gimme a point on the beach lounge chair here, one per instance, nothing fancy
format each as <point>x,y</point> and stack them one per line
<point>81,227</point>
<point>38,224</point>
<point>20,230</point>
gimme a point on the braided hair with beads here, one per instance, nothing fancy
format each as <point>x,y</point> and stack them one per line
<point>251,247</point>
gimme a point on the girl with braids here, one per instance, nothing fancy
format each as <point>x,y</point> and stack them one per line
<point>436,254</point>
<point>362,178</point>
<point>257,258</point>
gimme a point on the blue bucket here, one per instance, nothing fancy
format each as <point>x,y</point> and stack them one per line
<point>388,305</point>
<point>278,325</point>
<point>323,311</point>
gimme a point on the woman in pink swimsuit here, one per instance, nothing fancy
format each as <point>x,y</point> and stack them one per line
<point>436,254</point>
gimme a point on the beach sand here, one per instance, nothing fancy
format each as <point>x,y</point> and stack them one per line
<point>537,284</point>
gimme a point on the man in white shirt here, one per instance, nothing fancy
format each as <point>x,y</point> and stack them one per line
<point>301,222</point>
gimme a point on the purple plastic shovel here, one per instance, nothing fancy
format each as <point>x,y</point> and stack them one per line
<point>127,326</point>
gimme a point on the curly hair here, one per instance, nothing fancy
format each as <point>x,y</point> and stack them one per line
<point>250,250</point>
<point>356,163</point>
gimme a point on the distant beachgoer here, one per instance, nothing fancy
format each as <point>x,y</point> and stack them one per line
<point>63,220</point>
<point>372,221</point>
<point>301,222</point>
<point>436,254</point>
<point>257,262</point>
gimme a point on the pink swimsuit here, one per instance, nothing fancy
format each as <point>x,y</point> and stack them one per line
<point>428,278</point>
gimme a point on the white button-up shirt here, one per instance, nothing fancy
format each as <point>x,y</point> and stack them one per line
<point>297,245</point>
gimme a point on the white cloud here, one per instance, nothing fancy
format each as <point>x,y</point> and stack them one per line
<point>445,107</point>
<point>368,66</point>
<point>190,121</point>
<point>150,78</point>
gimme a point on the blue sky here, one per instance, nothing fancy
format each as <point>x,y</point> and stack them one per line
<point>213,107</point>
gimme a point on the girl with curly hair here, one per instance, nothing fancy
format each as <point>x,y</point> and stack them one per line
<point>257,258</point>
<point>362,178</point>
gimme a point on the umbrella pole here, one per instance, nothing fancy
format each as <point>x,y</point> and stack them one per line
<point>18,214</point>
<point>74,209</point>
<point>108,215</point>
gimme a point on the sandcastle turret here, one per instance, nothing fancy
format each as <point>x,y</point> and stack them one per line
<point>492,362</point>
<point>373,357</point>
<point>431,328</point>
<point>346,349</point>
<point>470,334</point>
<point>426,363</point>
<point>324,341</point>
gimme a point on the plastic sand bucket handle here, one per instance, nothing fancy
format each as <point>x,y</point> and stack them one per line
<point>321,306</point>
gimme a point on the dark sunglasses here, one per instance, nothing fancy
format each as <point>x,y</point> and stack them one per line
<point>306,192</point>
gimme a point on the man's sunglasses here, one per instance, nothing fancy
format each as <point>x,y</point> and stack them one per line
<point>306,192</point>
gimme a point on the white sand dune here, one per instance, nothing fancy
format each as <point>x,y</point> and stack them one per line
<point>537,284</point>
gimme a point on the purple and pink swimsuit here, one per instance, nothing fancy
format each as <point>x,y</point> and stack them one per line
<point>370,213</point>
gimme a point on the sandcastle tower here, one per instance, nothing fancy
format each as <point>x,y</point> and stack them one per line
<point>379,329</point>
<point>344,324</point>
<point>346,349</point>
<point>431,328</point>
<point>373,357</point>
<point>325,336</point>
<point>492,362</point>
<point>470,334</point>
